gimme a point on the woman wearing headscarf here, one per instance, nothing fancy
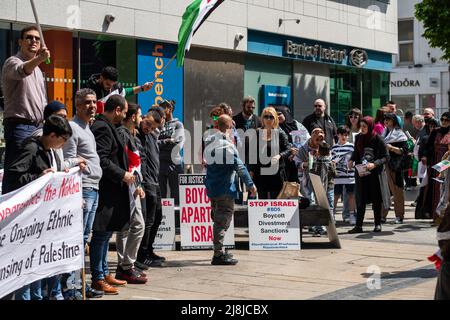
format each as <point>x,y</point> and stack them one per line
<point>370,151</point>
<point>396,143</point>
<point>434,151</point>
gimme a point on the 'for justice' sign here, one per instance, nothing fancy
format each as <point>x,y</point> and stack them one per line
<point>196,225</point>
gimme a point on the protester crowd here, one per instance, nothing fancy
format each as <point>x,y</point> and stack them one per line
<point>128,158</point>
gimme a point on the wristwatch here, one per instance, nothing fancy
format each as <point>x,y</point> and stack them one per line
<point>142,88</point>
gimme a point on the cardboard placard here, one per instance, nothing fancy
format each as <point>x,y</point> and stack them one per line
<point>196,225</point>
<point>273,225</point>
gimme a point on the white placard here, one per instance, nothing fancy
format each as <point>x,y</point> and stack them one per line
<point>273,225</point>
<point>165,238</point>
<point>196,225</point>
<point>1,179</point>
<point>41,230</point>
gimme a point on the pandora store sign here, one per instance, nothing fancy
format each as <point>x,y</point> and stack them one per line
<point>316,52</point>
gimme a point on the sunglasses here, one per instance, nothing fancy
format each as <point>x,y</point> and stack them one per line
<point>318,106</point>
<point>268,117</point>
<point>31,38</point>
<point>353,116</point>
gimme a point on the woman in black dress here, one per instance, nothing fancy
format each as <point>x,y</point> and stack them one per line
<point>370,151</point>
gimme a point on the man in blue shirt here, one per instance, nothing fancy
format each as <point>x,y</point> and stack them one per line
<point>222,164</point>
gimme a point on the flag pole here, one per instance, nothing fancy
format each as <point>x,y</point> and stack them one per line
<point>38,26</point>
<point>165,67</point>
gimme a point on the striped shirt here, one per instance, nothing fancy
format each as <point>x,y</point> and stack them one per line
<point>341,155</point>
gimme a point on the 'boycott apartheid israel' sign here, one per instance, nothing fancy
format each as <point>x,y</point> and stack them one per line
<point>196,225</point>
<point>41,230</point>
<point>273,225</point>
<point>165,238</point>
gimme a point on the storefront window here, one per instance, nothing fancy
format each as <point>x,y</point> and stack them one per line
<point>99,51</point>
<point>428,101</point>
<point>357,88</point>
<point>405,103</point>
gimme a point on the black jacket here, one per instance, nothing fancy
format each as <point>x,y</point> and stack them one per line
<point>28,165</point>
<point>113,212</point>
<point>93,84</point>
<point>240,122</point>
<point>327,125</point>
<point>270,182</point>
<point>151,153</point>
<point>370,188</point>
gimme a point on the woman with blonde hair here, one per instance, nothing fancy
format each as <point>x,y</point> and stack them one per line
<point>272,150</point>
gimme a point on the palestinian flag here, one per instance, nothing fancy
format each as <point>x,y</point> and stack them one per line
<point>194,16</point>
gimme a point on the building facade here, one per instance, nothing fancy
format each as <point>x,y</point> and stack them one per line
<point>420,79</point>
<point>279,51</point>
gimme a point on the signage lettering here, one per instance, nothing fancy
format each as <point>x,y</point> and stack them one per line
<point>316,52</point>
<point>159,65</point>
<point>405,83</point>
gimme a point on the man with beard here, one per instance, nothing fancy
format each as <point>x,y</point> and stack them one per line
<point>320,119</point>
<point>24,91</point>
<point>247,119</point>
<point>82,144</point>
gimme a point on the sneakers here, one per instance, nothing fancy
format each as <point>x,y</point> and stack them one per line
<point>398,220</point>
<point>223,260</point>
<point>148,262</point>
<point>131,276</point>
<point>356,230</point>
<point>377,228</point>
<point>93,294</point>
<point>352,219</point>
<point>154,256</point>
<point>102,285</point>
<point>319,231</point>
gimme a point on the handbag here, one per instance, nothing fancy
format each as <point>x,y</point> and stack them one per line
<point>290,190</point>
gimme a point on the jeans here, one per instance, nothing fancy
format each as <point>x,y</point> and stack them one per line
<point>153,218</point>
<point>99,254</point>
<point>345,210</point>
<point>15,134</point>
<point>31,291</point>
<point>330,197</point>
<point>90,197</point>
<point>51,288</point>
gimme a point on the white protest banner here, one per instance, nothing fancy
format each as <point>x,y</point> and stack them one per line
<point>41,230</point>
<point>196,225</point>
<point>165,238</point>
<point>273,225</point>
<point>1,179</point>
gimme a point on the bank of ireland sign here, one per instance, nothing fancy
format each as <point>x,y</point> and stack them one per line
<point>326,53</point>
<point>315,52</point>
<point>359,58</point>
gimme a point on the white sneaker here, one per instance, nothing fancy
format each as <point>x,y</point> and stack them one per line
<point>352,219</point>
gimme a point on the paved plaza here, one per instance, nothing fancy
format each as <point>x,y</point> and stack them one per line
<point>391,265</point>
